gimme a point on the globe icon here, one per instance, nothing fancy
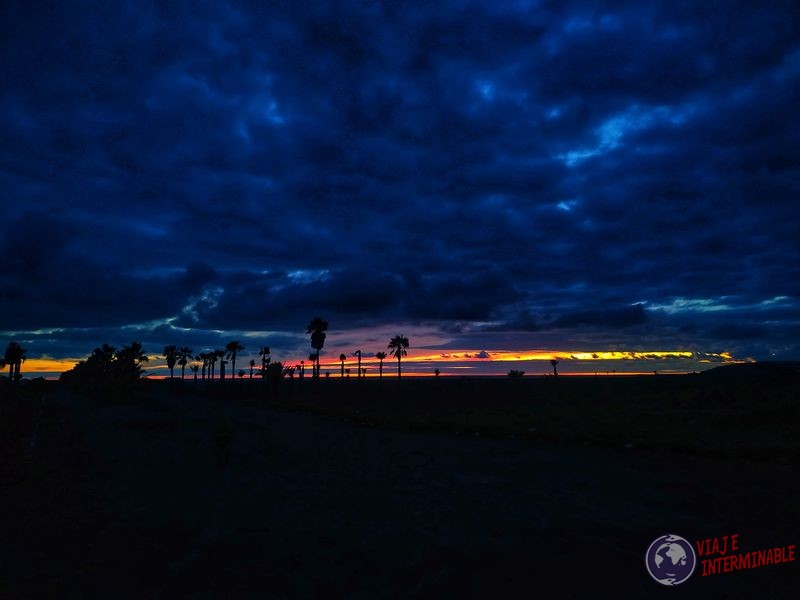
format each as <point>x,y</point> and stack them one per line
<point>670,559</point>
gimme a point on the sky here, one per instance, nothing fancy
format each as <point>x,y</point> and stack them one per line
<point>501,182</point>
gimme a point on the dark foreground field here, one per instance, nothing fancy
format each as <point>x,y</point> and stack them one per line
<point>432,488</point>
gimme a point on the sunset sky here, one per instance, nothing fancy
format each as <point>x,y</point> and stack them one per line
<point>502,182</point>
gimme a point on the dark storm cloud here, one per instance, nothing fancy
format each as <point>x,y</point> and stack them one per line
<point>615,318</point>
<point>516,169</point>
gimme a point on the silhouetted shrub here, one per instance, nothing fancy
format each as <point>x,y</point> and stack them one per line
<point>107,366</point>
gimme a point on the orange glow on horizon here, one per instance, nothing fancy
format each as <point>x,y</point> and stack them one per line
<point>484,356</point>
<point>155,366</point>
<point>48,365</point>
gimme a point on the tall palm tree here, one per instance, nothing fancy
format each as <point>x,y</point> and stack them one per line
<point>380,356</point>
<point>358,354</point>
<point>184,356</point>
<point>317,328</point>
<point>311,358</point>
<point>252,366</point>
<point>264,354</point>
<point>232,349</point>
<point>14,357</point>
<point>171,354</point>
<point>213,357</point>
<point>194,369</point>
<point>554,362</point>
<point>203,356</point>
<point>397,347</point>
<point>220,354</point>
<point>342,358</point>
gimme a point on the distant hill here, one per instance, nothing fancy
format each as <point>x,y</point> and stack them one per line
<point>754,371</point>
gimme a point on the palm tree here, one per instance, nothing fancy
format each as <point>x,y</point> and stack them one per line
<point>211,360</point>
<point>317,328</point>
<point>264,354</point>
<point>554,362</point>
<point>222,363</point>
<point>171,354</point>
<point>342,358</point>
<point>194,369</point>
<point>184,354</point>
<point>311,358</point>
<point>232,349</point>
<point>203,356</point>
<point>128,361</point>
<point>397,347</point>
<point>213,357</point>
<point>380,356</point>
<point>14,357</point>
<point>358,354</point>
<point>252,366</point>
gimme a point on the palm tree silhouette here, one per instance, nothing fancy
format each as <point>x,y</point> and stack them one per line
<point>213,357</point>
<point>342,358</point>
<point>317,328</point>
<point>171,354</point>
<point>184,356</point>
<point>204,356</point>
<point>220,356</point>
<point>128,361</point>
<point>194,368</point>
<point>264,354</point>
<point>232,349</point>
<point>358,354</point>
<point>554,362</point>
<point>397,347</point>
<point>14,357</point>
<point>252,366</point>
<point>380,356</point>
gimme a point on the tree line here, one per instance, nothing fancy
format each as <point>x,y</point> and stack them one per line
<point>108,363</point>
<point>204,364</point>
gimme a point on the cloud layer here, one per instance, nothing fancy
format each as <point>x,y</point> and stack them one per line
<point>521,175</point>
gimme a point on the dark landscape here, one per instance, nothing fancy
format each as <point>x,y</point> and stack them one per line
<point>371,299</point>
<point>395,489</point>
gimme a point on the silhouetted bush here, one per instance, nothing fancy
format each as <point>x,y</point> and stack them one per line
<point>107,367</point>
<point>277,371</point>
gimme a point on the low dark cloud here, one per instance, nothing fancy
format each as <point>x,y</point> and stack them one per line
<point>556,174</point>
<point>609,318</point>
